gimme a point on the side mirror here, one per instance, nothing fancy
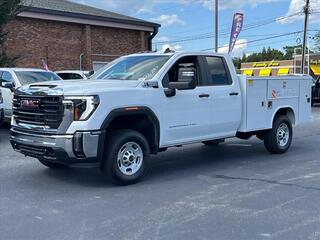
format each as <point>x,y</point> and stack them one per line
<point>9,85</point>
<point>91,72</point>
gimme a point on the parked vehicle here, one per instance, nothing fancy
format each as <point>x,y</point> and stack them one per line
<point>316,92</point>
<point>144,103</point>
<point>12,78</point>
<point>73,74</point>
<point>1,110</point>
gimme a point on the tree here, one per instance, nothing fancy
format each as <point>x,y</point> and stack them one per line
<point>289,51</point>
<point>8,11</point>
<point>265,55</point>
<point>316,39</point>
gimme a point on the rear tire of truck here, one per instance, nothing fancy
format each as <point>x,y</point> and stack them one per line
<point>213,142</point>
<point>52,165</point>
<point>126,156</point>
<point>278,139</point>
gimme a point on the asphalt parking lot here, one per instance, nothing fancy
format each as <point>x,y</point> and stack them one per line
<point>233,191</point>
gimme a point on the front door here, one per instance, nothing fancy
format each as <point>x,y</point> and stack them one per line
<point>187,115</point>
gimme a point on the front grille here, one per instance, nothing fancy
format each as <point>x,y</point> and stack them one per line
<point>35,151</point>
<point>46,111</point>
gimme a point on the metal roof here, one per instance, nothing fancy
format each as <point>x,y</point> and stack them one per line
<point>72,9</point>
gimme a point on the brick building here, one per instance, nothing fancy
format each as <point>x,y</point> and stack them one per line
<point>284,67</point>
<point>68,35</point>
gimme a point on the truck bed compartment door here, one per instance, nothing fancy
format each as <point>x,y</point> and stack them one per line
<point>256,104</point>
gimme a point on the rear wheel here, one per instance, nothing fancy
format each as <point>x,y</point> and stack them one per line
<point>125,159</point>
<point>53,165</point>
<point>278,139</point>
<point>213,142</point>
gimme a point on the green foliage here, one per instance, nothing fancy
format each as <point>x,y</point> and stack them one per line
<point>8,11</point>
<point>316,39</point>
<point>265,55</point>
<point>273,54</point>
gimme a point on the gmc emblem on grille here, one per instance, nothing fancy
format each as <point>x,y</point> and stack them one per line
<point>29,103</point>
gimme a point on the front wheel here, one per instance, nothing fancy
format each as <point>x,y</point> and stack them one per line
<point>125,158</point>
<point>278,139</point>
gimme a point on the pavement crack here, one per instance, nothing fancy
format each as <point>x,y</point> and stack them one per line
<point>267,181</point>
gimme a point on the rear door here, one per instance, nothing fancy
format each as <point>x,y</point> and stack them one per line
<point>226,97</point>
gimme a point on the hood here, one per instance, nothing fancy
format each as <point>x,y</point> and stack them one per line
<point>76,87</point>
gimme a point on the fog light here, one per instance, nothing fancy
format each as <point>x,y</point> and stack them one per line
<point>78,144</point>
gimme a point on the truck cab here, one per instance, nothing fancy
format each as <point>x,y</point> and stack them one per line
<point>142,104</point>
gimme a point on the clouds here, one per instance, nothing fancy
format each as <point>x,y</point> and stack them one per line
<point>167,20</point>
<point>239,47</point>
<point>295,7</point>
<point>176,48</point>
<point>228,4</point>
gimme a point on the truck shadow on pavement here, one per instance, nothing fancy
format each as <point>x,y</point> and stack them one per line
<point>184,162</point>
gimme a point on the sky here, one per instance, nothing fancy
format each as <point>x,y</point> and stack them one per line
<point>188,25</point>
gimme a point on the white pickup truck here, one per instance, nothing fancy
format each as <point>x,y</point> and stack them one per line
<point>144,103</point>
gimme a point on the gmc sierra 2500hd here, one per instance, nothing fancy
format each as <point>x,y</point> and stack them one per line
<point>144,103</point>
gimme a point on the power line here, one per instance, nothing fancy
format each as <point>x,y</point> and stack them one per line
<point>261,39</point>
<point>226,32</point>
<point>227,24</point>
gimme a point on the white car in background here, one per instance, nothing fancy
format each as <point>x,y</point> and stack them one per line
<point>73,74</point>
<point>1,110</point>
<point>12,78</point>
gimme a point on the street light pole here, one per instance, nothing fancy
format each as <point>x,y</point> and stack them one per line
<point>216,26</point>
<point>305,31</point>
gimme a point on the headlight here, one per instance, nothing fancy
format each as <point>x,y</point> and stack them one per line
<point>81,107</point>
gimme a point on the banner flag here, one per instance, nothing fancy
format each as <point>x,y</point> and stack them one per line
<point>236,29</point>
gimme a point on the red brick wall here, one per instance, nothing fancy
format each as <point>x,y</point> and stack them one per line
<point>61,44</point>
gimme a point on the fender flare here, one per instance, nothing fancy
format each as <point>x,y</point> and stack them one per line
<point>279,109</point>
<point>133,110</point>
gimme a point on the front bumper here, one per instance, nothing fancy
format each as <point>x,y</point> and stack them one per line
<point>82,147</point>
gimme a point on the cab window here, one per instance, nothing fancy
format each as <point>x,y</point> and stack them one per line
<point>183,69</point>
<point>6,77</point>
<point>218,75</point>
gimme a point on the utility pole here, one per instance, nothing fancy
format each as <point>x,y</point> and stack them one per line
<point>216,45</point>
<point>306,11</point>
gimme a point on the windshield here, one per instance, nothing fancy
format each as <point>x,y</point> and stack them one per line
<point>34,77</point>
<point>133,68</point>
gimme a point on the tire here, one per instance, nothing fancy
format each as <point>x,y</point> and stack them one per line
<point>1,118</point>
<point>213,142</point>
<point>52,165</point>
<point>278,140</point>
<point>126,156</point>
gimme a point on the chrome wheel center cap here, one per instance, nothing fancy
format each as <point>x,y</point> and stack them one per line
<point>130,158</point>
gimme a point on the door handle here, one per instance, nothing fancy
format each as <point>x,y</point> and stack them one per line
<point>233,94</point>
<point>204,95</point>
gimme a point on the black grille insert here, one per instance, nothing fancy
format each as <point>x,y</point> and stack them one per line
<point>46,111</point>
